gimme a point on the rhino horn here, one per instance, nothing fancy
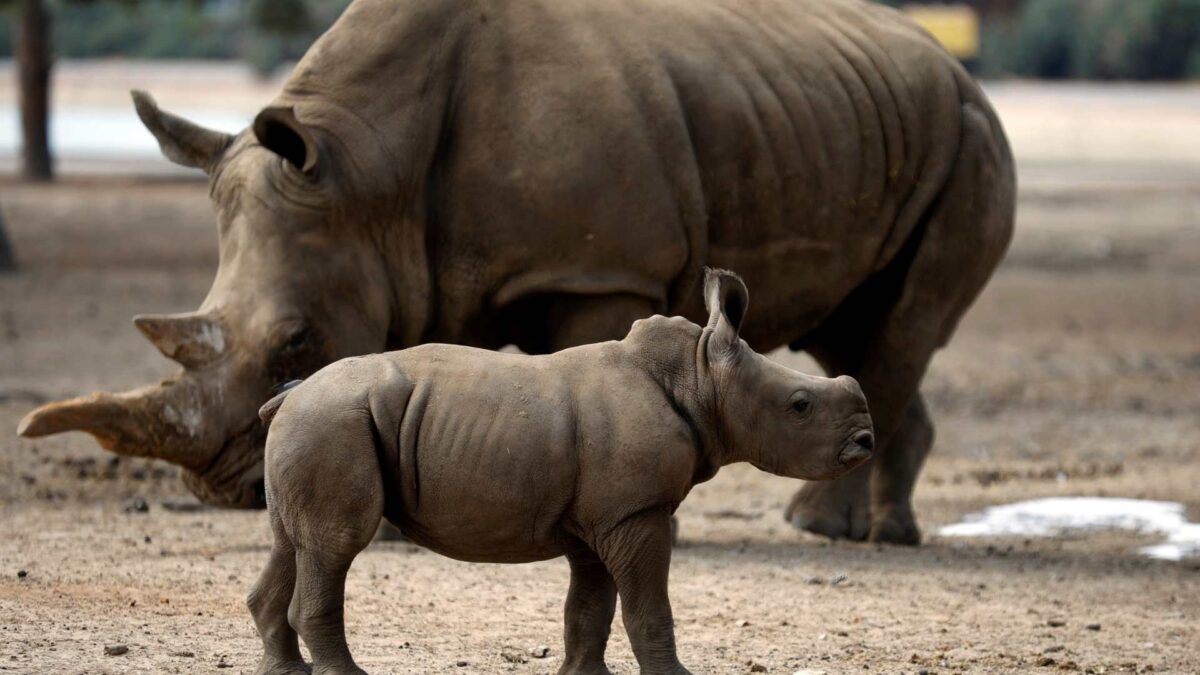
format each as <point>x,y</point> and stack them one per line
<point>132,423</point>
<point>193,340</point>
<point>183,142</point>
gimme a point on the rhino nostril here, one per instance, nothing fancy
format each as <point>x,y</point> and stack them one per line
<point>864,439</point>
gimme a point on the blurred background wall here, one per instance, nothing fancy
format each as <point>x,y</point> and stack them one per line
<point>107,43</point>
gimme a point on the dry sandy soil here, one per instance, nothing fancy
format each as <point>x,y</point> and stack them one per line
<point>1077,373</point>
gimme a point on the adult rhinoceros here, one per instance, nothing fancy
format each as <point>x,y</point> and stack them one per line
<point>545,172</point>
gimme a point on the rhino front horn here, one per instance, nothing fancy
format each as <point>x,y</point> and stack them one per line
<point>121,423</point>
<point>193,340</point>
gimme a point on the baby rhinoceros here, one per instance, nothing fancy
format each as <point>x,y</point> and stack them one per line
<point>491,457</point>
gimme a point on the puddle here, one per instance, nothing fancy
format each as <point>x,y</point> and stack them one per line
<point>1059,515</point>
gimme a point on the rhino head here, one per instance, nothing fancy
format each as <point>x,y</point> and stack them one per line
<point>781,420</point>
<point>296,288</point>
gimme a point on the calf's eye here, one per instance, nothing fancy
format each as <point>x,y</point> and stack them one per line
<point>801,406</point>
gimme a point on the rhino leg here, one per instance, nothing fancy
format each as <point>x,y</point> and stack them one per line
<point>841,509</point>
<point>887,331</point>
<point>268,603</point>
<point>581,320</point>
<point>325,487</point>
<point>591,602</point>
<point>638,555</point>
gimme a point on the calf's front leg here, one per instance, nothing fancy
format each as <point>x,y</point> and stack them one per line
<point>637,553</point>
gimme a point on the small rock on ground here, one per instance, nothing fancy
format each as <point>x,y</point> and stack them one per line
<point>115,650</point>
<point>513,656</point>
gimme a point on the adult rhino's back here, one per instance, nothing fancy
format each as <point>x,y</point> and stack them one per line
<point>628,144</point>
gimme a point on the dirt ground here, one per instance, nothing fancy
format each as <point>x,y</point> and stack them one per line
<point>1077,373</point>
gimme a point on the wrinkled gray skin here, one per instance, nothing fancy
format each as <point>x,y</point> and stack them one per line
<point>546,172</point>
<point>493,457</point>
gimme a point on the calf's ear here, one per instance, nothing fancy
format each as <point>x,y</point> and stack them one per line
<point>726,299</point>
<point>181,141</point>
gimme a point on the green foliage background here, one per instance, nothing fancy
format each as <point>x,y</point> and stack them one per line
<point>264,33</point>
<point>1096,39</point>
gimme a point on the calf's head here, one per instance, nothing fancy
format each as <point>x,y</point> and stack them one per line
<point>780,420</point>
<point>296,288</point>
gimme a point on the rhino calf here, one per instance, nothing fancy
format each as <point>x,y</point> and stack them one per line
<point>492,457</point>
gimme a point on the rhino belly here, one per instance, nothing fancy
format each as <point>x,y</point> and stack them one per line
<point>483,463</point>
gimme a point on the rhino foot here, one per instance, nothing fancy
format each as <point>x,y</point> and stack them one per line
<point>836,509</point>
<point>584,670</point>
<point>896,526</point>
<point>273,667</point>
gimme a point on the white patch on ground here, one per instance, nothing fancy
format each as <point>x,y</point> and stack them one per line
<point>1060,515</point>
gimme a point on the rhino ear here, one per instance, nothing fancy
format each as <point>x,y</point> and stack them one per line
<point>181,141</point>
<point>726,299</point>
<point>278,130</point>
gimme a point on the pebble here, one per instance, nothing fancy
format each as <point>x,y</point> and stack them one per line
<point>1053,649</point>
<point>814,581</point>
<point>21,574</point>
<point>513,656</point>
<point>743,623</point>
<point>1092,626</point>
<point>185,655</point>
<point>838,579</point>
<point>756,667</point>
<point>115,650</point>
<point>1056,623</point>
<point>539,652</point>
<point>462,663</point>
<point>135,505</point>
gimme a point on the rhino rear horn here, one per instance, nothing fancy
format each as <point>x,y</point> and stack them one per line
<point>192,340</point>
<point>183,142</point>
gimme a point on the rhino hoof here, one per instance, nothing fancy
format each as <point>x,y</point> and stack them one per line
<point>283,668</point>
<point>897,530</point>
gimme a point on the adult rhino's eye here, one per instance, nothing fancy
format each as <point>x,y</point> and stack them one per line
<point>296,353</point>
<point>297,341</point>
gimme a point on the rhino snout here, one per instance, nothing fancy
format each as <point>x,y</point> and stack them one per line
<point>850,386</point>
<point>858,448</point>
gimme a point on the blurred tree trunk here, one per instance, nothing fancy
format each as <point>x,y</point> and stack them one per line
<point>8,260</point>
<point>33,65</point>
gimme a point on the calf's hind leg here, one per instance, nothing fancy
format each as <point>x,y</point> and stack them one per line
<point>329,506</point>
<point>268,602</point>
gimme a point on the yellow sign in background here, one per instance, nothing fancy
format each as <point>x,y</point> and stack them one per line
<point>955,26</point>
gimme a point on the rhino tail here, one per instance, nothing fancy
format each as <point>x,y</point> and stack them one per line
<point>267,412</point>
